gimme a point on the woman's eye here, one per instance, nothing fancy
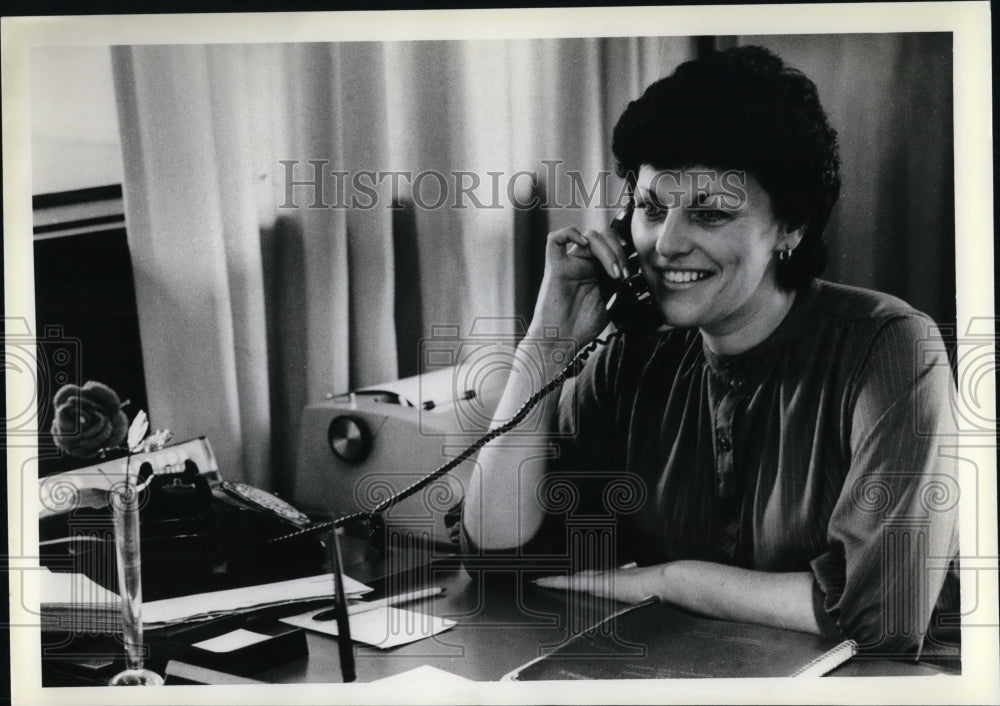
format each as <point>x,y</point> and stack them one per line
<point>711,216</point>
<point>651,210</point>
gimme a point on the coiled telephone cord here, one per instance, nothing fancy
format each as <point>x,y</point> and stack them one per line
<point>374,515</point>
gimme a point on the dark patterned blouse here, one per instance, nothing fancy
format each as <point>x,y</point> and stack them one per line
<point>823,449</point>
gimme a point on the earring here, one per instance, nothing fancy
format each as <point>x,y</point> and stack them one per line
<point>785,255</point>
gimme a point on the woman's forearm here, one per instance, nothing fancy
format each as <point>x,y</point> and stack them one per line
<point>502,508</point>
<point>783,600</point>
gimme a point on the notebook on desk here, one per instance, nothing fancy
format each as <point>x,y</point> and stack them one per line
<point>652,640</point>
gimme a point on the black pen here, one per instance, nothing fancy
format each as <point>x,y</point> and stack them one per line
<point>344,644</point>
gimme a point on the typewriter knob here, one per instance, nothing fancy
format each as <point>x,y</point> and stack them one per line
<point>350,439</point>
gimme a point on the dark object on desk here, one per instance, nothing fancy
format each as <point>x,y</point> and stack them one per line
<point>652,640</point>
<point>199,533</point>
<point>75,659</point>
<point>184,673</point>
<point>346,649</point>
<point>79,669</point>
<point>253,646</point>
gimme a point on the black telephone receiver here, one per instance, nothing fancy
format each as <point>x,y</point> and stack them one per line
<point>628,301</point>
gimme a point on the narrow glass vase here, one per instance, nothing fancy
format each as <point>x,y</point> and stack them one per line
<point>125,511</point>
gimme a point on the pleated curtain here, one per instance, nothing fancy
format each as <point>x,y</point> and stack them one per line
<point>256,298</point>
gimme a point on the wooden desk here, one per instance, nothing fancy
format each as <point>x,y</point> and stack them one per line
<point>502,623</point>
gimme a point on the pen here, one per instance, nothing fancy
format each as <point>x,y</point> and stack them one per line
<point>344,646</point>
<point>381,603</point>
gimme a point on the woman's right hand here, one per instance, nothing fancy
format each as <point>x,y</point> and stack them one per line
<point>569,298</point>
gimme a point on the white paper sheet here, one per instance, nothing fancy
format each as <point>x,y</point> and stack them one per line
<point>382,627</point>
<point>236,599</point>
<point>230,641</point>
<point>424,673</point>
<point>59,588</point>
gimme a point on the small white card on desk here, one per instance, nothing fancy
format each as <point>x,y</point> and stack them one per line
<point>423,673</point>
<point>383,627</point>
<point>235,640</point>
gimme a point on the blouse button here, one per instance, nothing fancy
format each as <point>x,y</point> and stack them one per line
<point>724,443</point>
<point>736,384</point>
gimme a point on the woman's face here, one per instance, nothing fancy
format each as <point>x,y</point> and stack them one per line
<point>708,241</point>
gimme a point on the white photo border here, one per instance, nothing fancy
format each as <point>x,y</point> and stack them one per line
<point>970,25</point>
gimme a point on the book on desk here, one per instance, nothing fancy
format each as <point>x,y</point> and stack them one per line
<point>653,640</point>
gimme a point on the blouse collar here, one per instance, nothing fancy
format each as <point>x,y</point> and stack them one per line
<point>761,357</point>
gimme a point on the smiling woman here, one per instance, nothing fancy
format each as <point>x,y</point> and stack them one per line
<point>779,434</point>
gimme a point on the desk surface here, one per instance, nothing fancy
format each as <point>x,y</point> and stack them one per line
<point>501,623</point>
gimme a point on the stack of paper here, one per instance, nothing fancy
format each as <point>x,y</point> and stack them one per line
<point>205,606</point>
<point>73,602</point>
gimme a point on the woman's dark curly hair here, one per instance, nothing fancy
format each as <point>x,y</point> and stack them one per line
<point>743,109</point>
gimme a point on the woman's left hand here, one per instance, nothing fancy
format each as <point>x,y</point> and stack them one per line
<point>629,585</point>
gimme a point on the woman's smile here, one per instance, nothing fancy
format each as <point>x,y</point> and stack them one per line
<point>675,278</point>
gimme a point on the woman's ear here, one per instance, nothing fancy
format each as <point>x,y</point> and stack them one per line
<point>791,237</point>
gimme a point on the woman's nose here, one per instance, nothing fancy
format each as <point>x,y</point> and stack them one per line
<point>671,236</point>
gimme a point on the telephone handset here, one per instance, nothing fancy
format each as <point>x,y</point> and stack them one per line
<point>628,301</point>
